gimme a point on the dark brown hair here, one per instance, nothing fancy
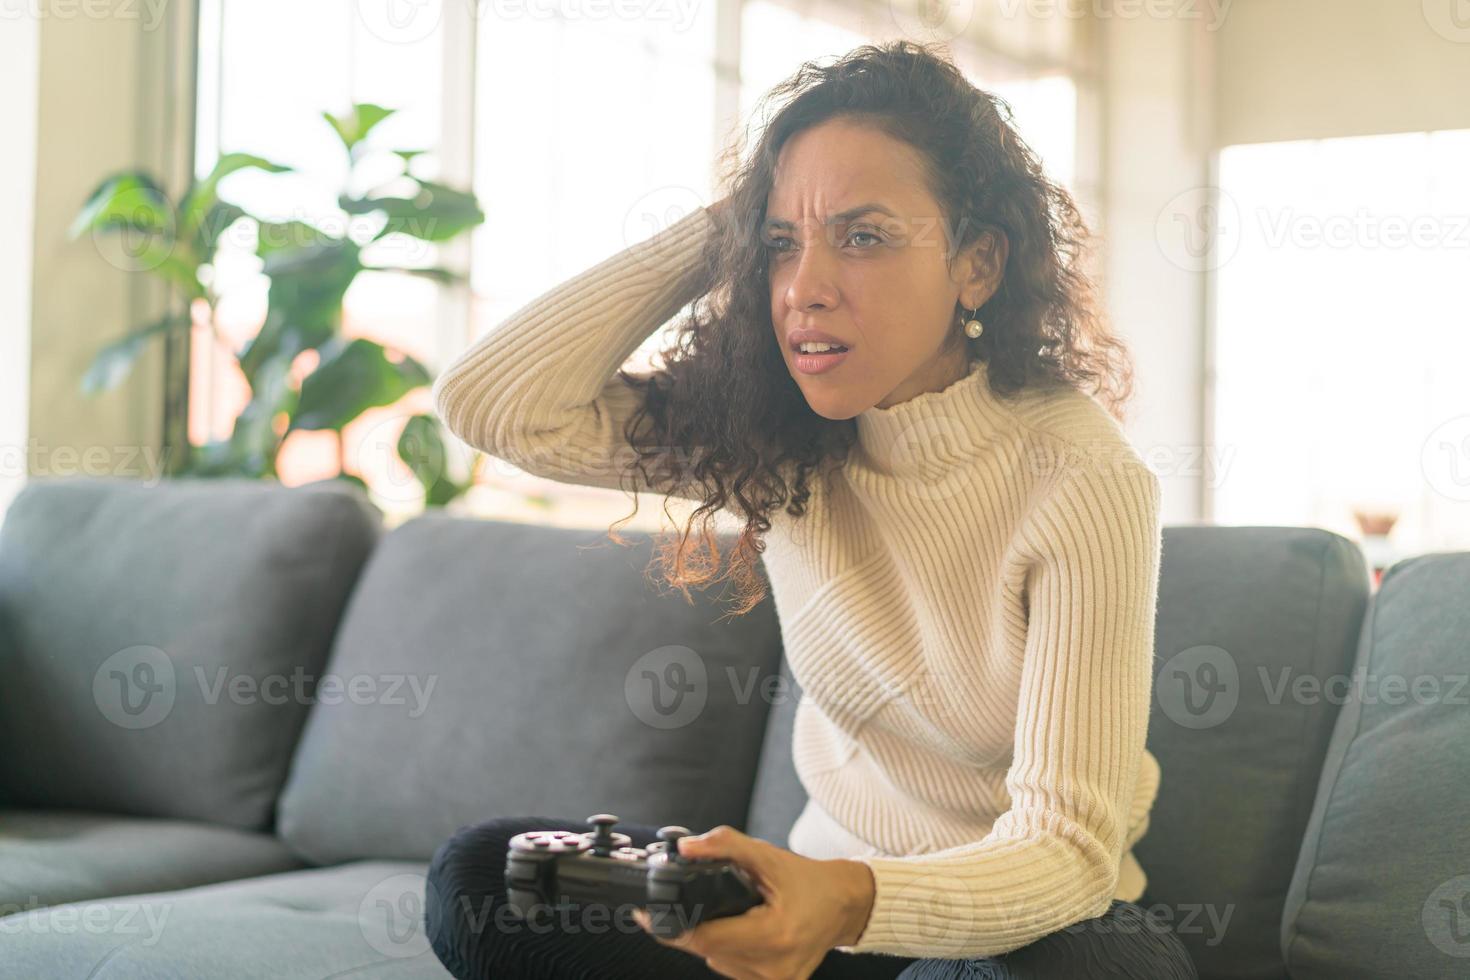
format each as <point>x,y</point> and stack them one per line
<point>722,414</point>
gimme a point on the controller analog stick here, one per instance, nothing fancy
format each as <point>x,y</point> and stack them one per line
<point>602,836</point>
<point>670,836</point>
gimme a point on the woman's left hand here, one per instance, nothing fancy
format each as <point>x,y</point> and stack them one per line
<point>810,906</point>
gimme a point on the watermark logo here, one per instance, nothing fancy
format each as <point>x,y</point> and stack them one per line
<point>929,450</point>
<point>141,923</point>
<point>1446,917</point>
<point>651,215</point>
<point>1199,230</point>
<point>932,20</point>
<point>1450,19</point>
<point>400,21</point>
<point>1445,458</point>
<point>667,687</point>
<point>135,687</point>
<point>391,916</point>
<point>1199,687</point>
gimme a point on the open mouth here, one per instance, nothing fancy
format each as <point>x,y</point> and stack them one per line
<point>816,358</point>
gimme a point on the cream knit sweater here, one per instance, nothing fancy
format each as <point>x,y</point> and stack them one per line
<point>968,609</point>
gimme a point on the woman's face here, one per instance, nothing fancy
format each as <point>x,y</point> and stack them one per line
<point>856,250</point>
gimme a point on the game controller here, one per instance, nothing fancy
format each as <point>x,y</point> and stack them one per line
<point>546,868</point>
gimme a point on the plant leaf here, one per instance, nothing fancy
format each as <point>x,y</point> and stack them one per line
<point>222,215</point>
<point>304,303</point>
<point>351,380</point>
<point>254,442</point>
<point>353,126</point>
<point>281,236</point>
<point>203,195</point>
<point>131,200</point>
<point>113,363</point>
<point>435,213</point>
<point>422,449</point>
<point>437,273</point>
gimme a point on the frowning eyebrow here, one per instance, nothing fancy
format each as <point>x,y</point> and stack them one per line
<point>841,218</point>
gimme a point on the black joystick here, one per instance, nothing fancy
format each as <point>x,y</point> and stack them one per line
<point>546,868</point>
<point>602,837</point>
<point>670,837</point>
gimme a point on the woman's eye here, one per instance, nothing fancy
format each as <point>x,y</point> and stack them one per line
<point>780,245</point>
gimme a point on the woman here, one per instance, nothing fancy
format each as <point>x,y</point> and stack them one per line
<point>962,546</point>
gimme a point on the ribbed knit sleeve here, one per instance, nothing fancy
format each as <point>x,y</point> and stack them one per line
<point>540,389</point>
<point>1092,545</point>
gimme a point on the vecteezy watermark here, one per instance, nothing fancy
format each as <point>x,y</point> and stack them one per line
<point>1184,919</point>
<point>1365,687</point>
<point>141,923</point>
<point>1450,19</point>
<point>138,687</point>
<point>1446,917</point>
<point>1199,229</point>
<point>149,12</point>
<point>1212,12</point>
<point>926,20</point>
<point>135,687</point>
<point>1201,686</point>
<point>479,916</point>
<point>1198,687</point>
<point>36,458</point>
<point>391,916</point>
<point>1362,229</point>
<point>412,21</point>
<point>1445,458</point>
<point>667,687</point>
<point>299,687</point>
<point>144,236</point>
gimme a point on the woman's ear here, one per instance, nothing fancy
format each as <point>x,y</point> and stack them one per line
<point>986,258</point>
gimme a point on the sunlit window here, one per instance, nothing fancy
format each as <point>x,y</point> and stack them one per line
<point>567,156</point>
<point>268,70</point>
<point>1342,343</point>
<point>571,159</point>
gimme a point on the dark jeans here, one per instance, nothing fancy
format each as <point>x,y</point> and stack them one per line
<point>476,938</point>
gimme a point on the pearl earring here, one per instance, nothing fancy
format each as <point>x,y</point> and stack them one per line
<point>974,326</point>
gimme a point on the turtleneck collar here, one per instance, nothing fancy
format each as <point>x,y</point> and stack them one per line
<point>932,432</point>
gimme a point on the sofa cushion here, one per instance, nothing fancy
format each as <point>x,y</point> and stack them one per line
<point>357,920</point>
<point>1382,882</point>
<point>163,638</point>
<point>1249,620</point>
<point>48,857</point>
<point>778,797</point>
<point>511,669</point>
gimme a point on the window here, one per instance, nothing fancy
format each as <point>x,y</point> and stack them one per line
<point>336,58</point>
<point>1342,350</point>
<point>562,153</point>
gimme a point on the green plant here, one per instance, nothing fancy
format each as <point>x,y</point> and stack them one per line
<point>310,270</point>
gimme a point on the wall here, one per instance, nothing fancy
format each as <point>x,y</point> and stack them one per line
<point>107,100</point>
<point>1156,137</point>
<point>1308,69</point>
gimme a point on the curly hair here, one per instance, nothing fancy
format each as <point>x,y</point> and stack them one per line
<point>724,415</point>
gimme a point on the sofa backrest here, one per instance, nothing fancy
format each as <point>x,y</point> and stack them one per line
<point>153,635</point>
<point>517,670</point>
<point>1382,880</point>
<point>778,797</point>
<point>1253,624</point>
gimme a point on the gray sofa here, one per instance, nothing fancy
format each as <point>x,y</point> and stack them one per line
<point>237,719</point>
